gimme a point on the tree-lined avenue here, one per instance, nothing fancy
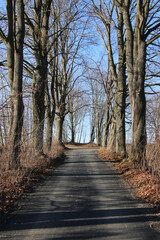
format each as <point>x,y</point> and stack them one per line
<point>83,199</point>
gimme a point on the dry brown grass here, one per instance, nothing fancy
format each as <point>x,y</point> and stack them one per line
<point>153,158</point>
<point>33,169</point>
<point>109,155</point>
<point>147,185</point>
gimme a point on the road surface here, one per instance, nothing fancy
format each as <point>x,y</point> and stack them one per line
<point>83,199</point>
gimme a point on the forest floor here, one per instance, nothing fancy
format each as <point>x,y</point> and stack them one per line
<point>146,185</point>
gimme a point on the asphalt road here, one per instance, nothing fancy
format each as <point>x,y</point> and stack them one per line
<point>83,199</point>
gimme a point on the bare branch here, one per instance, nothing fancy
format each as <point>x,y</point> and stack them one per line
<point>152,29</point>
<point>153,39</point>
<point>29,23</point>
<point>3,37</point>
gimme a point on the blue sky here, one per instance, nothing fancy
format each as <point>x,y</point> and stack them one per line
<point>2,4</point>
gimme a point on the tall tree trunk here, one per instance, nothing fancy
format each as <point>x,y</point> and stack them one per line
<point>120,92</point>
<point>73,136</point>
<point>106,127</point>
<point>111,144</point>
<point>1,137</point>
<point>98,133</point>
<point>92,134</point>
<point>38,87</point>
<point>58,128</point>
<point>139,108</point>
<point>135,61</point>
<point>10,53</point>
<point>16,90</point>
<point>4,124</point>
<point>119,87</point>
<point>49,133</point>
<point>40,37</point>
<point>50,114</point>
<point>72,126</point>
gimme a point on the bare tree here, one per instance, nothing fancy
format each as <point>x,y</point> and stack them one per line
<point>104,11</point>
<point>77,107</point>
<point>108,85</point>
<point>98,105</point>
<point>65,52</point>
<point>139,35</point>
<point>39,27</point>
<point>14,43</point>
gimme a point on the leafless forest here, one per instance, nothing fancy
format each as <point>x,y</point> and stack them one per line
<point>69,64</point>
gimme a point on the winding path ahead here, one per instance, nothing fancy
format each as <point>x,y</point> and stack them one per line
<point>83,199</point>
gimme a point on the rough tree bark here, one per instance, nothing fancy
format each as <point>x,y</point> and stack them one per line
<point>59,119</point>
<point>111,144</point>
<point>14,43</point>
<point>9,41</point>
<point>121,90</point>
<point>107,123</point>
<point>50,114</point>
<point>136,64</point>
<point>39,31</point>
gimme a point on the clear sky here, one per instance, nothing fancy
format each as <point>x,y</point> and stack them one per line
<point>2,4</point>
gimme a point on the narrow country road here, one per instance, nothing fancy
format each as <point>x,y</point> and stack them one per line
<point>83,199</point>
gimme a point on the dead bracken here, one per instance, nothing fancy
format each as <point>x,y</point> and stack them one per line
<point>34,168</point>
